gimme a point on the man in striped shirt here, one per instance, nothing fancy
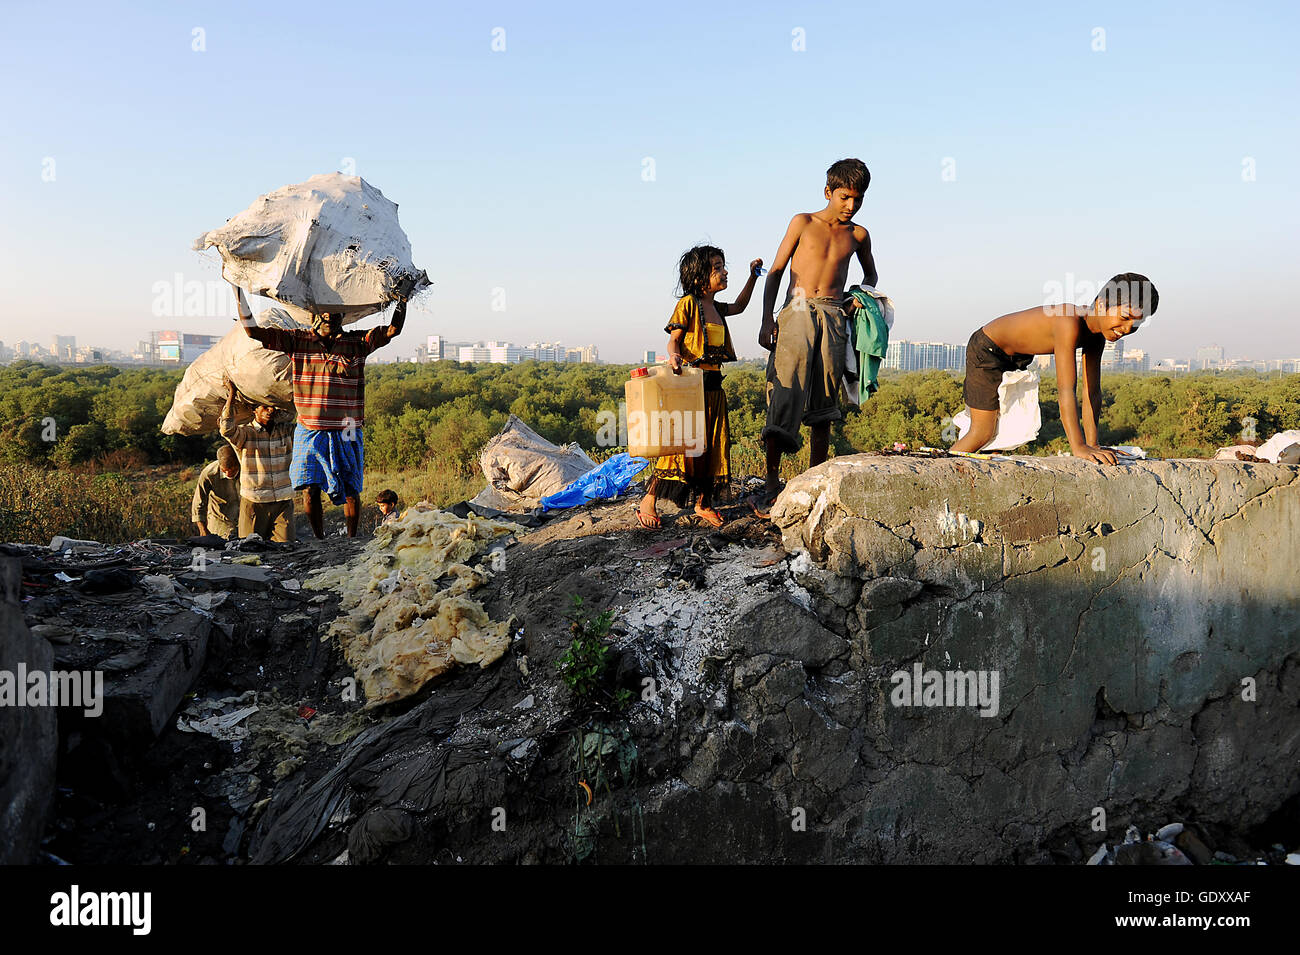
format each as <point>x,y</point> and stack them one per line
<point>329,392</point>
<point>265,448</point>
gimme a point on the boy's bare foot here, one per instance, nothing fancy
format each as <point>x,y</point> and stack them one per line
<point>647,518</point>
<point>709,515</point>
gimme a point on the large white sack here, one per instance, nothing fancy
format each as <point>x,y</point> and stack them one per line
<point>1282,448</point>
<point>330,244</point>
<point>262,376</point>
<point>1019,417</point>
<point>522,467</point>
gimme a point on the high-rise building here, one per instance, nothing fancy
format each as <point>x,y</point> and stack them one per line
<point>906,355</point>
<point>504,353</point>
<point>648,358</point>
<point>1209,356</point>
<point>173,347</point>
<point>64,347</point>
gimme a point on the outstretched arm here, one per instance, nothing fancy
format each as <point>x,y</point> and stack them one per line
<point>742,301</point>
<point>784,252</point>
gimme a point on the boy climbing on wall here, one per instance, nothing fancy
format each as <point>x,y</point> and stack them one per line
<point>808,338</point>
<point>1010,342</point>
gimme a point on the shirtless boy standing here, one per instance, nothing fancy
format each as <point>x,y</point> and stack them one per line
<point>1010,342</point>
<point>807,338</point>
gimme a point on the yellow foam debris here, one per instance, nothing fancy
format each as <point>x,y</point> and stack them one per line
<point>404,614</point>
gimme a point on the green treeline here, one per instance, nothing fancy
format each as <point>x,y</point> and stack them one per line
<point>439,415</point>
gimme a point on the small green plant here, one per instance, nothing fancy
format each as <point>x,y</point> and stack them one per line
<point>584,664</point>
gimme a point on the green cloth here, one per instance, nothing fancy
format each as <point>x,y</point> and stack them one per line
<point>870,339</point>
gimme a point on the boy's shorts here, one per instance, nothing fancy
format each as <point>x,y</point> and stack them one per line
<point>806,369</point>
<point>333,460</point>
<point>985,363</point>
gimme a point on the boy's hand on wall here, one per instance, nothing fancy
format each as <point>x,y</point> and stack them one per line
<point>1089,453</point>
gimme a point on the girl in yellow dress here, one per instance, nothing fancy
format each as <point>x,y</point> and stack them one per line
<point>698,335</point>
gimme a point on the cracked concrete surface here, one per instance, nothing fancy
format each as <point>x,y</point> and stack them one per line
<point>1123,608</point>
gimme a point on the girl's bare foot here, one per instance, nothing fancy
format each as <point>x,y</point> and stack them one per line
<point>709,515</point>
<point>646,516</point>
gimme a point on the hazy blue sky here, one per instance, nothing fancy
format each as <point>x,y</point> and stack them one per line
<point>522,169</point>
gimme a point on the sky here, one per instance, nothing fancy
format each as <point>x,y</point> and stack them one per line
<point>551,162</point>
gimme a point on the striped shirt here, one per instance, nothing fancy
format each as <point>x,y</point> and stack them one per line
<point>329,375</point>
<point>264,455</point>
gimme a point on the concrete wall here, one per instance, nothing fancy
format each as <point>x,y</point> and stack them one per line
<point>1143,621</point>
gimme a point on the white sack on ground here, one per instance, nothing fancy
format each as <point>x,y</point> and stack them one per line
<point>261,375</point>
<point>1282,448</point>
<point>522,467</point>
<point>331,243</point>
<point>1019,418</point>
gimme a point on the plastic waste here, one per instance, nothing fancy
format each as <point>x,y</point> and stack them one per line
<point>609,479</point>
<point>61,543</point>
<point>522,467</point>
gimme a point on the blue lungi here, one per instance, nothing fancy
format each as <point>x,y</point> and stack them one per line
<point>333,460</point>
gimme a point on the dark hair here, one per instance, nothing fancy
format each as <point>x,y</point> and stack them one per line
<point>1129,288</point>
<point>694,268</point>
<point>226,457</point>
<point>386,496</point>
<point>848,174</point>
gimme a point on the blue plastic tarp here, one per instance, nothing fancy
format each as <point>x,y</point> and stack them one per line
<point>610,478</point>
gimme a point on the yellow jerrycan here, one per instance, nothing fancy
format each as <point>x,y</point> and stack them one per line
<point>665,412</point>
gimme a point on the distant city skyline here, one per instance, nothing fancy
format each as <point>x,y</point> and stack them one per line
<point>167,347</point>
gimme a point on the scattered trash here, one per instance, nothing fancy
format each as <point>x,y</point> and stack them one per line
<point>1132,450</point>
<point>249,560</point>
<point>67,579</point>
<point>160,585</point>
<point>526,703</point>
<point>609,479</point>
<point>291,584</point>
<point>522,467</point>
<point>305,713</point>
<point>60,544</point>
<point>109,581</point>
<point>219,718</point>
<point>658,549</point>
<point>52,633</point>
<point>210,601</point>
